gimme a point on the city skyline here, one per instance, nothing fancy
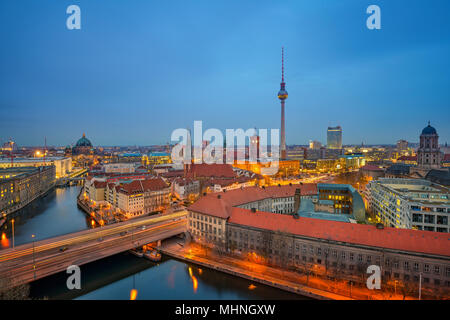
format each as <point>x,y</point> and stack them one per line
<point>114,76</point>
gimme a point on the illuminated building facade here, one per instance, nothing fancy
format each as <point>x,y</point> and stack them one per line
<point>20,186</point>
<point>240,222</point>
<point>410,203</point>
<point>156,158</point>
<point>63,165</point>
<point>334,137</point>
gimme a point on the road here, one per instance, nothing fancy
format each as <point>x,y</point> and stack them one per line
<point>36,260</point>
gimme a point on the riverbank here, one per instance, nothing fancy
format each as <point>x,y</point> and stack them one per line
<point>252,272</point>
<point>21,205</point>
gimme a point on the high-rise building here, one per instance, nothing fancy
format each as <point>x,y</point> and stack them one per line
<point>334,137</point>
<point>402,145</point>
<point>282,95</point>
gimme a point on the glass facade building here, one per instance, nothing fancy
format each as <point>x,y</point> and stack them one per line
<point>334,137</point>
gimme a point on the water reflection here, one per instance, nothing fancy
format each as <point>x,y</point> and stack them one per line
<point>116,277</point>
<point>55,214</point>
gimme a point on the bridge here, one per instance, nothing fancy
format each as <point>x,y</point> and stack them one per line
<point>32,261</point>
<point>76,176</point>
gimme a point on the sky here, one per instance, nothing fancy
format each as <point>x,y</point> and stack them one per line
<point>139,69</point>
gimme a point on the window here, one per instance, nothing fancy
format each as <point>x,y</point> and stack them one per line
<point>319,251</point>
<point>406,265</point>
<point>416,266</point>
<point>343,255</point>
<point>351,256</point>
<point>426,268</point>
<point>369,259</point>
<point>396,264</point>
<point>334,253</point>
<point>436,269</point>
<point>360,257</point>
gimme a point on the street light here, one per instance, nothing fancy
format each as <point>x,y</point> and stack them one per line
<point>34,264</point>
<point>12,222</point>
<point>420,285</point>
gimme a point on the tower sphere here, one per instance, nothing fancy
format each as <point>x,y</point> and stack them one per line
<point>282,94</point>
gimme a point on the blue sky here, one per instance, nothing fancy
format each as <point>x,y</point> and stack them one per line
<point>137,70</point>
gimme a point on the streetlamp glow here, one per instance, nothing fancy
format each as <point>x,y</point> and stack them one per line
<point>12,222</point>
<point>34,261</point>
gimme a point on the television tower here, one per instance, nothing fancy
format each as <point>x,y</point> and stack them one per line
<point>282,95</point>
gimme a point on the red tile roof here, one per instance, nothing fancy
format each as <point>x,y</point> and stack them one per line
<point>212,205</point>
<point>397,239</point>
<point>137,186</point>
<point>99,184</point>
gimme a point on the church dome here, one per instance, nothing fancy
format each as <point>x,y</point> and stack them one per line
<point>83,142</point>
<point>429,130</point>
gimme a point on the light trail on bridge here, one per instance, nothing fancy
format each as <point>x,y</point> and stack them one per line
<point>22,265</point>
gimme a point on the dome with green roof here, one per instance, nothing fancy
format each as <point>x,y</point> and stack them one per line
<point>83,142</point>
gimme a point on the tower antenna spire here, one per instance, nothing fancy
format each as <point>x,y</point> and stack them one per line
<point>282,64</point>
<point>282,95</point>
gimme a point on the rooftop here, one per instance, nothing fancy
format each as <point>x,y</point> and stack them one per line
<point>359,234</point>
<point>219,204</point>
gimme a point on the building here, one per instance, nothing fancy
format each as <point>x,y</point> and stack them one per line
<point>371,172</point>
<point>334,137</point>
<point>9,146</point>
<point>157,158</point>
<point>345,199</point>
<point>20,186</point>
<point>185,188</point>
<point>83,147</point>
<point>315,145</point>
<point>243,223</point>
<point>402,146</point>
<point>132,157</point>
<point>63,165</point>
<point>410,204</point>
<point>429,155</point>
<point>282,95</point>
<point>119,167</point>
<point>340,250</point>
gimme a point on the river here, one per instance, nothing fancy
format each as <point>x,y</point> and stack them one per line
<point>114,277</point>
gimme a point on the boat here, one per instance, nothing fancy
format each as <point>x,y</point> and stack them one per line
<point>153,255</point>
<point>137,252</point>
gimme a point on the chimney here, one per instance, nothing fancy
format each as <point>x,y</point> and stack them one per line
<point>297,200</point>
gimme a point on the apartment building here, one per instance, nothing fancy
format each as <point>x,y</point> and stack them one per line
<point>410,204</point>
